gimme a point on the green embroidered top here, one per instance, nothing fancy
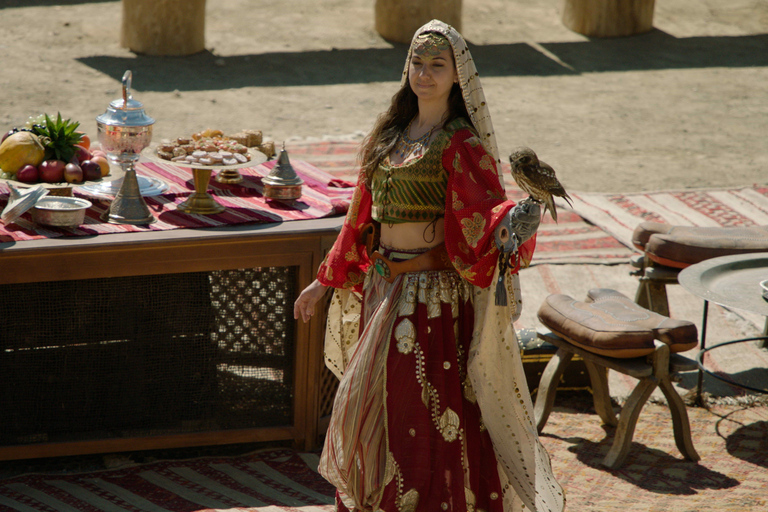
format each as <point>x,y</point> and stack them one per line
<point>415,190</point>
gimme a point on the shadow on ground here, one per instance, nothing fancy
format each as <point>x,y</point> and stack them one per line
<point>648,468</point>
<point>655,50</point>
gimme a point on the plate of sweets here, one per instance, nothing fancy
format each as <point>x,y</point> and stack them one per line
<point>212,148</point>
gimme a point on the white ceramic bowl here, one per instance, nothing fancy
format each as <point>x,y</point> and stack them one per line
<point>60,211</point>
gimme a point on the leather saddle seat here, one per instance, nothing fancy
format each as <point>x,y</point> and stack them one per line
<point>610,324</point>
<point>681,246</point>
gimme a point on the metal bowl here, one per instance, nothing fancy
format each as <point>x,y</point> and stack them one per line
<point>60,211</point>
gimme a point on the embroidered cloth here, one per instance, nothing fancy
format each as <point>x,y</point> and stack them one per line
<point>433,411</point>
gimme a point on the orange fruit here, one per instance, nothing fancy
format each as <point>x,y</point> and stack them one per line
<point>85,141</point>
<point>103,164</point>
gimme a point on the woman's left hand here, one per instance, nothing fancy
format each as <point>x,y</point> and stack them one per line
<point>525,218</point>
<point>308,299</point>
<point>522,221</point>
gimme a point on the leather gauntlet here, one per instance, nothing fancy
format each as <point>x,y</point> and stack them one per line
<point>517,227</point>
<point>521,222</point>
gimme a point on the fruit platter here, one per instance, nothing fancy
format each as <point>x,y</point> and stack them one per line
<point>51,152</point>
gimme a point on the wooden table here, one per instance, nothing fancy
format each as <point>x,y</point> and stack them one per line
<point>297,244</point>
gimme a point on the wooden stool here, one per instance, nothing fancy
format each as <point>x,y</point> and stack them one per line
<point>653,371</point>
<point>652,283</point>
<point>668,249</point>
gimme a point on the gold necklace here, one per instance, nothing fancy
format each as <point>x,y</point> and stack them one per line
<point>406,145</point>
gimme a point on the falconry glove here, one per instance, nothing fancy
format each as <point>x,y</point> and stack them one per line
<point>521,222</point>
<point>519,225</point>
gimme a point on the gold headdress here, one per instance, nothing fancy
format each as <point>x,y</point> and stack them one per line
<point>430,44</point>
<point>469,80</point>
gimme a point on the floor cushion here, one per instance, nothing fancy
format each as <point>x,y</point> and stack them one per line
<point>595,329</point>
<point>680,335</point>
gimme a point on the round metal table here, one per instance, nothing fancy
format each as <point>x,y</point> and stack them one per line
<point>731,281</point>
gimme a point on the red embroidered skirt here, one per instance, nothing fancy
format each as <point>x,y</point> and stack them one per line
<point>407,435</point>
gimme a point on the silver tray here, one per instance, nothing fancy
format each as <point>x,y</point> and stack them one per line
<point>732,281</point>
<point>257,157</point>
<point>148,187</point>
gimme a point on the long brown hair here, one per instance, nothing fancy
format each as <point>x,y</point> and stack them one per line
<point>390,124</point>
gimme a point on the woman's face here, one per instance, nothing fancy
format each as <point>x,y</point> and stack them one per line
<point>431,74</point>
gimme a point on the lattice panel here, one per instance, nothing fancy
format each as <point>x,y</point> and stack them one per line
<point>146,355</point>
<point>253,307</point>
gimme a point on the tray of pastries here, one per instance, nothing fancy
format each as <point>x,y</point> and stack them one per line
<point>212,148</point>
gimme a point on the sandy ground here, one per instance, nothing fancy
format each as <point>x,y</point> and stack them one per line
<point>683,106</point>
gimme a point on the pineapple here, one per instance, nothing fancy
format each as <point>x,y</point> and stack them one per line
<point>58,137</point>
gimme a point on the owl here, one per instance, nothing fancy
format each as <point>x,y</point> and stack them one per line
<point>537,179</point>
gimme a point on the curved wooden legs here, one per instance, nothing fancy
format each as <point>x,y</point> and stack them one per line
<point>651,374</point>
<point>627,422</point>
<point>545,396</point>
<point>680,423</point>
<point>598,377</point>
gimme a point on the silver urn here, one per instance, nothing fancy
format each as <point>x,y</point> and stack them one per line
<point>282,182</point>
<point>124,130</point>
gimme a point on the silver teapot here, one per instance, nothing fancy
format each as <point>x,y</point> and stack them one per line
<point>124,130</point>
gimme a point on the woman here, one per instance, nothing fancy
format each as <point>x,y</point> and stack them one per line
<point>432,411</point>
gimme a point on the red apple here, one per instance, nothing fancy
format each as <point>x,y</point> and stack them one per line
<point>81,153</point>
<point>91,170</point>
<point>52,171</point>
<point>73,173</point>
<point>28,174</point>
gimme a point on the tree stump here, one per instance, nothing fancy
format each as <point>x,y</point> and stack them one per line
<point>163,27</point>
<point>397,20</point>
<point>608,18</point>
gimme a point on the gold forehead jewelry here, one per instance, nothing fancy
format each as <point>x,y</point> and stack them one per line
<point>430,44</point>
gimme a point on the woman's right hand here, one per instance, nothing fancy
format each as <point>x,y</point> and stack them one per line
<point>308,299</point>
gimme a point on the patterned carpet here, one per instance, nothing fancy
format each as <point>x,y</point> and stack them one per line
<point>269,481</point>
<point>619,214</point>
<point>731,476</point>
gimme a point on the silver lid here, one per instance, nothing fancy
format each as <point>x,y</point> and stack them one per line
<point>283,174</point>
<point>21,200</point>
<point>125,111</point>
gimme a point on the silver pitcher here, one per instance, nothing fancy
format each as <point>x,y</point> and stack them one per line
<point>124,130</point>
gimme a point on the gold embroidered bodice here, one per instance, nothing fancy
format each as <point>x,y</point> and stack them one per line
<point>413,191</point>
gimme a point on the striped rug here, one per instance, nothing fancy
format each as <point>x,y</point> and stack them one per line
<point>731,476</point>
<point>273,480</point>
<point>619,214</point>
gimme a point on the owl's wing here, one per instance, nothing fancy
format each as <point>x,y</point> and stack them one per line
<point>549,178</point>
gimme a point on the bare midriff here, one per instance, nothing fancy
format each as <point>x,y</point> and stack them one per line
<point>413,235</point>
